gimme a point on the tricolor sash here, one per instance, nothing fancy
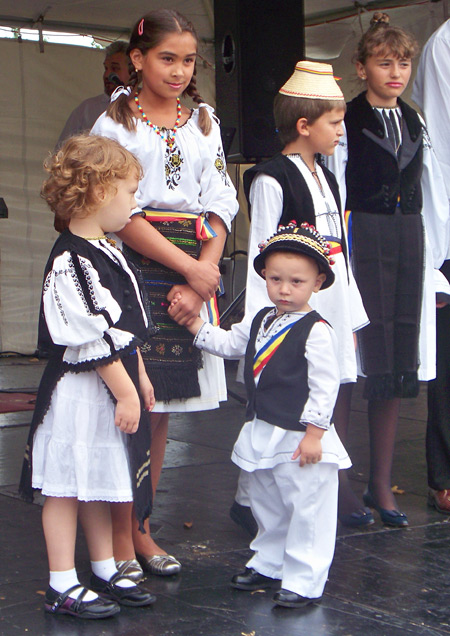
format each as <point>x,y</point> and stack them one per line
<point>263,355</point>
<point>335,244</point>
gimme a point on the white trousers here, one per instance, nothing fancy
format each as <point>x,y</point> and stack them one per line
<point>296,512</point>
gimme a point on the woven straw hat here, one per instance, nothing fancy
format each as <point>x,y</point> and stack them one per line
<point>313,80</point>
<point>303,240</point>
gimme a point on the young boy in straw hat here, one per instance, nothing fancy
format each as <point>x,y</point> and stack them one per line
<point>293,185</point>
<point>288,446</point>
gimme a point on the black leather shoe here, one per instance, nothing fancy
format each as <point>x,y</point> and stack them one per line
<point>251,580</point>
<point>284,598</point>
<point>242,515</point>
<point>62,603</point>
<point>131,596</point>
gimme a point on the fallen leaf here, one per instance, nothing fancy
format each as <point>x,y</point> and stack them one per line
<point>397,491</point>
<point>188,524</point>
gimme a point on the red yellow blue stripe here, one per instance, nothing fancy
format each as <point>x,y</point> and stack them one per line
<point>263,356</point>
<point>203,229</point>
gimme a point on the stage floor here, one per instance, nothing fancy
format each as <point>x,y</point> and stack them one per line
<point>382,583</point>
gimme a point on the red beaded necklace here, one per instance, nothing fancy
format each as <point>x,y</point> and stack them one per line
<point>168,134</point>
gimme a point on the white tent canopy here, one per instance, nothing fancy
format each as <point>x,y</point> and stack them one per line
<point>42,83</point>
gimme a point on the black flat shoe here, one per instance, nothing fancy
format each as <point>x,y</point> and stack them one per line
<point>284,598</point>
<point>393,518</point>
<point>251,580</point>
<point>62,603</point>
<point>131,596</point>
<point>243,516</point>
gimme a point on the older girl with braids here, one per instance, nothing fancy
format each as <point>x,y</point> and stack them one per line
<point>187,203</point>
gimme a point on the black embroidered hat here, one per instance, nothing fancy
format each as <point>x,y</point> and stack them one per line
<point>303,240</point>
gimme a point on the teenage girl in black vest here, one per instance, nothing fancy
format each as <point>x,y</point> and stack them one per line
<point>384,195</point>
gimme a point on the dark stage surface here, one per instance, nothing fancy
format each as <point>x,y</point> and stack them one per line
<point>382,582</point>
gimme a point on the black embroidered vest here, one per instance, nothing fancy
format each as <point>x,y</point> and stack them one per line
<point>112,276</point>
<point>282,389</point>
<point>376,178</point>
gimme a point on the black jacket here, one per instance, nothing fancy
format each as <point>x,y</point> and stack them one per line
<point>376,177</point>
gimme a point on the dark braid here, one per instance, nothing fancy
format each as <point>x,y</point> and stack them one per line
<point>204,119</point>
<point>119,110</point>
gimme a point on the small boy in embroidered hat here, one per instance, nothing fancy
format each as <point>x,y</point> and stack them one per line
<point>288,445</point>
<point>294,185</point>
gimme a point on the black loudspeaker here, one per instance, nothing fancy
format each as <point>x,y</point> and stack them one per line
<point>257,44</point>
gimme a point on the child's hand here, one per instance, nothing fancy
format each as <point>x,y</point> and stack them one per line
<point>147,391</point>
<point>128,412</point>
<point>310,448</point>
<point>185,304</point>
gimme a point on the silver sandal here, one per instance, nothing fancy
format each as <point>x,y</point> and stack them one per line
<point>160,564</point>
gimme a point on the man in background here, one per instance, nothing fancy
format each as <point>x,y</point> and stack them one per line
<point>116,63</point>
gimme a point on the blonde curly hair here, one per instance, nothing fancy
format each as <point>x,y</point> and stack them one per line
<point>82,163</point>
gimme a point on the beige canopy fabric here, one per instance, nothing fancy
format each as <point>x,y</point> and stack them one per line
<point>42,83</point>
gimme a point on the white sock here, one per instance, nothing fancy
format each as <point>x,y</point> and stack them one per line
<point>64,580</point>
<point>106,569</point>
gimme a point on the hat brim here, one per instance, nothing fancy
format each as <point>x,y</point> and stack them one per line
<point>260,261</point>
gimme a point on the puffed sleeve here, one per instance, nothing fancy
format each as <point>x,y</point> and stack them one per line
<point>217,193</point>
<point>80,312</point>
<point>323,376</point>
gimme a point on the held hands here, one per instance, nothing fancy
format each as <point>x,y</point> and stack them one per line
<point>194,325</point>
<point>203,277</point>
<point>185,304</point>
<point>310,448</point>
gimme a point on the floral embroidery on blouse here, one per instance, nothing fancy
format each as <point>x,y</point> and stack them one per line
<point>172,166</point>
<point>221,166</point>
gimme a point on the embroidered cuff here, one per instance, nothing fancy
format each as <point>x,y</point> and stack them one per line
<point>321,420</point>
<point>202,334</point>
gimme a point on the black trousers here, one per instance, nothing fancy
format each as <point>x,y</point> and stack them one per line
<point>438,425</point>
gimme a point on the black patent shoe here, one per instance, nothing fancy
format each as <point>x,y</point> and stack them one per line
<point>62,603</point>
<point>393,518</point>
<point>250,579</point>
<point>284,598</point>
<point>132,596</point>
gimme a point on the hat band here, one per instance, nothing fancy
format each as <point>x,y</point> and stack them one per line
<point>337,97</point>
<point>296,238</point>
